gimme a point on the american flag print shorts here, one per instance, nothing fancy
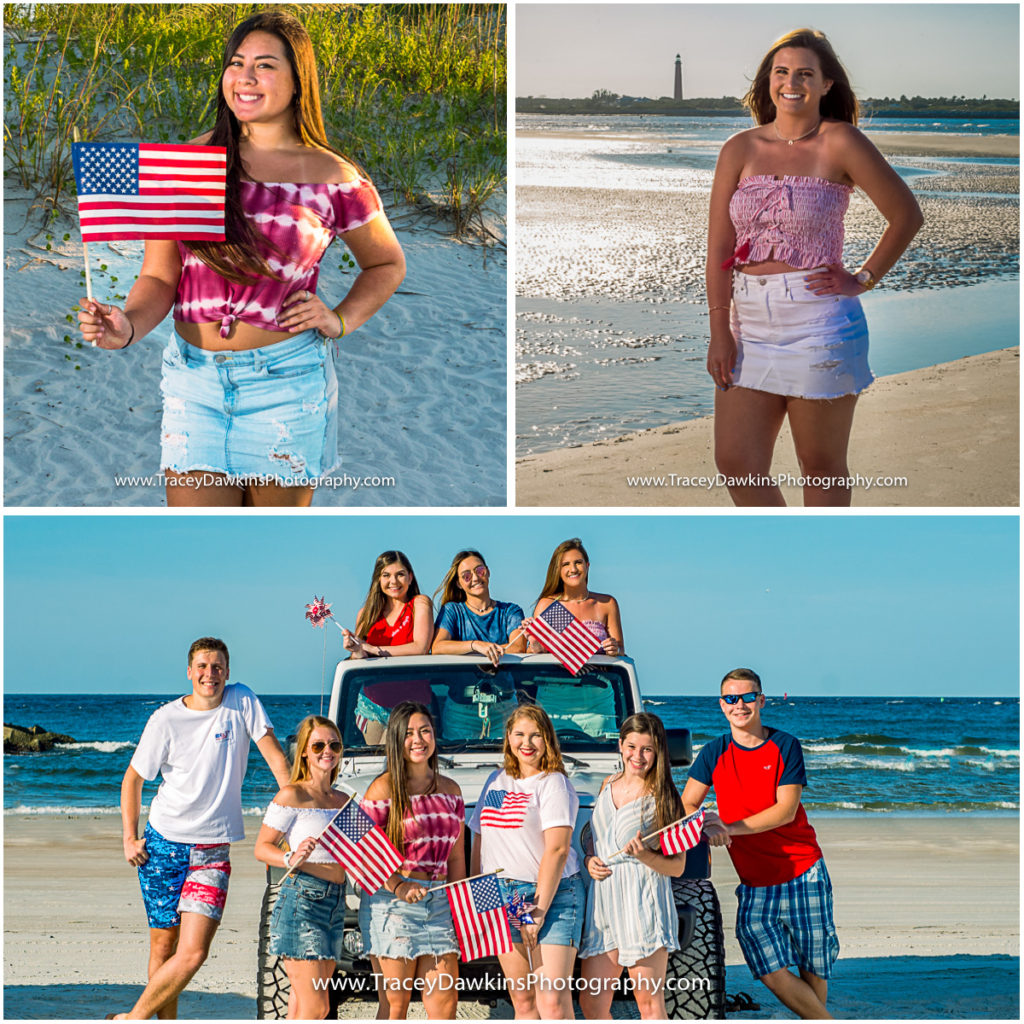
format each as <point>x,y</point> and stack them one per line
<point>183,877</point>
<point>788,925</point>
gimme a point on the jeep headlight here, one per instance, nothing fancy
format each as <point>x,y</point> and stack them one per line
<point>353,942</point>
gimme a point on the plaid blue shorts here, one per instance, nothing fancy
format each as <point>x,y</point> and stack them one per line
<point>788,925</point>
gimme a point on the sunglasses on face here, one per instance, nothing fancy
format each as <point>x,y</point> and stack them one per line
<point>317,746</point>
<point>481,571</point>
<point>735,698</point>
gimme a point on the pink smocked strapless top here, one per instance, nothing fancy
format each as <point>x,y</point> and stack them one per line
<point>789,219</point>
<point>302,221</point>
<point>431,830</point>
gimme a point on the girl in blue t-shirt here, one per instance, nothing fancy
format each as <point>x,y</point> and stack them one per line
<point>470,620</point>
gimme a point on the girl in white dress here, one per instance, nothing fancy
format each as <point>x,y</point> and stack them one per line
<point>631,917</point>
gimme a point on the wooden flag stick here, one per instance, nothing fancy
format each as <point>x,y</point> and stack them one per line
<point>324,829</point>
<point>85,245</point>
<point>650,835</point>
<point>448,885</point>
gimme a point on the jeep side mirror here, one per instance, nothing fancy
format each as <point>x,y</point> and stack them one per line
<point>680,750</point>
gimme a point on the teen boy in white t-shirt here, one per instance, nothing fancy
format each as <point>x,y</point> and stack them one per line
<point>199,744</point>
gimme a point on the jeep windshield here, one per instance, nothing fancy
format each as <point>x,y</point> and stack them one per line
<point>470,702</point>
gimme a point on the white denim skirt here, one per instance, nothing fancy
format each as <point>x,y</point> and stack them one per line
<point>792,342</point>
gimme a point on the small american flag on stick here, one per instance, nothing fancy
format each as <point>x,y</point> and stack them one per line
<point>682,835</point>
<point>141,190</point>
<point>564,636</point>
<point>478,913</point>
<point>355,841</point>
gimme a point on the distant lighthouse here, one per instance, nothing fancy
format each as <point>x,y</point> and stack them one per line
<point>678,93</point>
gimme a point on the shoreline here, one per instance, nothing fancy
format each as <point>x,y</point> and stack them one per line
<point>936,898</point>
<point>954,425</point>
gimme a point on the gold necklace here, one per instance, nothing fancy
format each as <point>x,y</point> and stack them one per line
<point>789,142</point>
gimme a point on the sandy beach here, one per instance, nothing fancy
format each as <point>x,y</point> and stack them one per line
<point>951,430</point>
<point>927,911</point>
<point>421,385</point>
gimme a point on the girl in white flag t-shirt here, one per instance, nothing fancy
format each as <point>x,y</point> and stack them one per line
<point>525,818</point>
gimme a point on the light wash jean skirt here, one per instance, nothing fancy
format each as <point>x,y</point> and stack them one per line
<point>792,342</point>
<point>308,920</point>
<point>396,930</point>
<point>264,414</point>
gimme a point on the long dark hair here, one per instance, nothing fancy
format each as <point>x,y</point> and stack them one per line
<point>373,606</point>
<point>240,257</point>
<point>553,584</point>
<point>668,806</point>
<point>449,588</point>
<point>838,103</point>
<point>398,783</point>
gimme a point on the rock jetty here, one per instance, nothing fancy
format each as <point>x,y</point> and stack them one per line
<point>34,740</point>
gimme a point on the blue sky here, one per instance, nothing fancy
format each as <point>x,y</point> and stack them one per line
<point>888,49</point>
<point>834,605</point>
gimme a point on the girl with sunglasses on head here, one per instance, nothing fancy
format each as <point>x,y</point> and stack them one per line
<point>568,581</point>
<point>408,930</point>
<point>248,380</point>
<point>308,921</point>
<point>631,915</point>
<point>470,620</point>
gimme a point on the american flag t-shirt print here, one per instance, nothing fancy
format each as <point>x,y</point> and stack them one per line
<point>504,809</point>
<point>130,190</point>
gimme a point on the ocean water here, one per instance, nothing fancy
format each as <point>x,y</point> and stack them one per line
<point>611,328</point>
<point>864,755</point>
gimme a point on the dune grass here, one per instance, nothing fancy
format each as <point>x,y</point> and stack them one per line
<point>415,93</point>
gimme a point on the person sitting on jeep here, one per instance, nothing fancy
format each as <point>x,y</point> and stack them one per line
<point>470,620</point>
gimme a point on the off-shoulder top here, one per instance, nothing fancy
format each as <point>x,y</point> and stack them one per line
<point>788,218</point>
<point>302,221</point>
<point>380,634</point>
<point>298,823</point>
<point>431,830</point>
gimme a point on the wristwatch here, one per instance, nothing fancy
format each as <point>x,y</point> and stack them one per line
<point>865,279</point>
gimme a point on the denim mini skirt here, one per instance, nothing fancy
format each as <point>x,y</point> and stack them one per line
<point>563,923</point>
<point>263,414</point>
<point>792,342</point>
<point>308,920</point>
<point>396,930</point>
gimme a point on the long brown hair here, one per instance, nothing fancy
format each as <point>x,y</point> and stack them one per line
<point>552,759</point>
<point>553,584</point>
<point>449,588</point>
<point>375,603</point>
<point>839,102</point>
<point>398,783</point>
<point>300,770</point>
<point>668,806</point>
<point>240,257</point>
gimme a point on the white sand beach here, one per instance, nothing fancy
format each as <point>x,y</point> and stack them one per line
<point>421,387</point>
<point>950,430</point>
<point>927,911</point>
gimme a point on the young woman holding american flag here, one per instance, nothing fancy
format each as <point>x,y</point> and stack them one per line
<point>308,922</point>
<point>248,381</point>
<point>631,915</point>
<point>525,818</point>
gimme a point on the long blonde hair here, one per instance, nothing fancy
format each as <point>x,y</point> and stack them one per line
<point>553,584</point>
<point>552,759</point>
<point>300,769</point>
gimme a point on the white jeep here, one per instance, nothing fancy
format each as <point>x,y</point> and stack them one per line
<point>470,700</point>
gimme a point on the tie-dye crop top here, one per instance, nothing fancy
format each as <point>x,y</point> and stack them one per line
<point>791,219</point>
<point>302,221</point>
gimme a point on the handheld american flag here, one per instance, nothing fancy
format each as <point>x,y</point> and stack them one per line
<point>478,913</point>
<point>564,636</point>
<point>683,835</point>
<point>355,841</point>
<point>141,190</point>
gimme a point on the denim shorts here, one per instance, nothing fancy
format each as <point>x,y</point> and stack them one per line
<point>563,923</point>
<point>788,925</point>
<point>267,413</point>
<point>792,342</point>
<point>183,877</point>
<point>308,920</point>
<point>397,930</point>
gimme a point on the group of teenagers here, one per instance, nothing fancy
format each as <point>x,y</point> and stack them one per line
<point>612,907</point>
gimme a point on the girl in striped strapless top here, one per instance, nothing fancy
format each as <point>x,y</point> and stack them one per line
<point>406,929</point>
<point>631,915</point>
<point>788,335</point>
<point>567,581</point>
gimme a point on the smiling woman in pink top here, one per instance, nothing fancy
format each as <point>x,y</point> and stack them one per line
<point>788,335</point>
<point>248,381</point>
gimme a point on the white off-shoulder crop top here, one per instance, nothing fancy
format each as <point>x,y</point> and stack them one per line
<point>298,823</point>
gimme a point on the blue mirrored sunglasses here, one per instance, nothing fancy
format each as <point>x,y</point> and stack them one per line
<point>735,698</point>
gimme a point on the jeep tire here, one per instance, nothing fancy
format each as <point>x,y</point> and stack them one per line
<point>272,985</point>
<point>702,963</point>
